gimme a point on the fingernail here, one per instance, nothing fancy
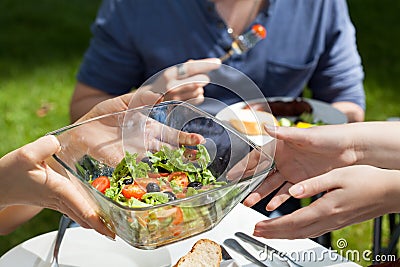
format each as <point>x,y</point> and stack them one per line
<point>56,142</point>
<point>214,60</point>
<point>271,205</point>
<point>257,233</point>
<point>55,139</point>
<point>198,139</point>
<point>296,190</point>
<point>248,202</point>
<point>270,128</point>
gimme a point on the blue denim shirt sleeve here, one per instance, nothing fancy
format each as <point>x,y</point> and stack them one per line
<point>309,43</point>
<point>111,63</point>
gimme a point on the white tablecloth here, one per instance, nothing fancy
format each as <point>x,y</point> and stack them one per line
<point>243,219</point>
<point>82,247</point>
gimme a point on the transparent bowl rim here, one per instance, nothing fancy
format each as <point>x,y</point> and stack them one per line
<point>177,201</point>
<point>164,103</point>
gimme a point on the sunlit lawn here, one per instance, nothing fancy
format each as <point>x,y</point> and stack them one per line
<point>41,45</point>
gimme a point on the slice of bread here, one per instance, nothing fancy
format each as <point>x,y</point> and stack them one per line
<point>204,253</point>
<point>252,122</point>
<point>248,127</point>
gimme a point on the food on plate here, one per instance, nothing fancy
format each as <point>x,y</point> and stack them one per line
<point>161,177</point>
<point>296,112</point>
<point>292,108</point>
<point>305,120</point>
<point>251,122</point>
<point>204,253</point>
<point>248,127</point>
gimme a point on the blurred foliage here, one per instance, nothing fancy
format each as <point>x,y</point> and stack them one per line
<point>378,37</point>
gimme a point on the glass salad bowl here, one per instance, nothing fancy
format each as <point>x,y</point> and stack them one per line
<point>159,174</point>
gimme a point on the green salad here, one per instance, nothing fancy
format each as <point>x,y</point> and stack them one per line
<point>163,176</point>
<point>159,178</point>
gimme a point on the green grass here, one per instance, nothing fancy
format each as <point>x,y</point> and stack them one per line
<point>378,39</point>
<point>41,46</point>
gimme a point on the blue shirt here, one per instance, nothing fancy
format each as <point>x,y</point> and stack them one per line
<point>309,43</point>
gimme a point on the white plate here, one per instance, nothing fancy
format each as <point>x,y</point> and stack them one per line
<point>321,111</point>
<point>236,112</point>
<point>83,248</point>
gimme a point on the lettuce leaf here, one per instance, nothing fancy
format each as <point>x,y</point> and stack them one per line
<point>129,167</point>
<point>173,160</point>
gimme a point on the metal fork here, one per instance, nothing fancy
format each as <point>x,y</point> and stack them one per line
<point>64,223</point>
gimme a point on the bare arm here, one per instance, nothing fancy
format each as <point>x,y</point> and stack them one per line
<point>352,195</point>
<point>305,153</point>
<point>353,111</point>
<point>84,99</point>
<point>167,84</point>
<point>28,181</point>
<point>371,143</point>
<point>13,216</point>
<point>379,144</point>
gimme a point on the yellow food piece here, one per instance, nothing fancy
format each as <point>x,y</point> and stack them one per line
<point>301,124</point>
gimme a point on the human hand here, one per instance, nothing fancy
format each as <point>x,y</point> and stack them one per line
<point>302,154</point>
<point>121,103</point>
<point>252,162</point>
<point>28,180</point>
<point>352,194</point>
<point>120,129</point>
<point>184,81</point>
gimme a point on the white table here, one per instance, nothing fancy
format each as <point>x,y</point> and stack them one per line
<point>243,219</point>
<point>82,247</point>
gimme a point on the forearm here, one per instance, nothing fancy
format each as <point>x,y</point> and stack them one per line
<point>12,217</point>
<point>391,195</point>
<point>353,111</point>
<point>84,99</point>
<point>377,143</point>
<point>396,195</point>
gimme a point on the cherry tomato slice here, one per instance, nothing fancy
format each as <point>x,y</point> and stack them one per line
<point>101,183</point>
<point>180,178</point>
<point>175,212</point>
<point>142,182</point>
<point>178,216</point>
<point>133,190</point>
<point>180,195</point>
<point>157,174</point>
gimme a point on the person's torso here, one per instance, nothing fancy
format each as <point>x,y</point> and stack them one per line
<point>175,31</point>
